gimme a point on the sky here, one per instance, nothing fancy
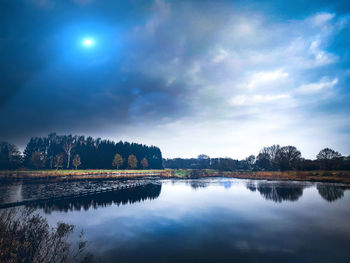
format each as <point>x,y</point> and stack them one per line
<point>222,78</point>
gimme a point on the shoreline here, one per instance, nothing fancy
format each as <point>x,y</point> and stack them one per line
<point>57,175</point>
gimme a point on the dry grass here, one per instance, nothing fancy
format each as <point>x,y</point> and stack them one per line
<point>320,176</point>
<point>76,174</point>
<point>325,176</point>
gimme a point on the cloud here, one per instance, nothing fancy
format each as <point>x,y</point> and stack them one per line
<point>244,100</point>
<point>322,19</point>
<point>321,86</point>
<point>177,68</point>
<point>266,77</point>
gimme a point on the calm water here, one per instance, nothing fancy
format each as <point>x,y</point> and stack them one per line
<point>208,220</point>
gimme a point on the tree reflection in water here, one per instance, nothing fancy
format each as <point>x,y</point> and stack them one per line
<point>331,193</point>
<point>120,197</point>
<point>195,184</point>
<point>277,192</point>
<point>289,191</point>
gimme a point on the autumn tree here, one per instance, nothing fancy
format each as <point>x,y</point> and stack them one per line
<point>37,159</point>
<point>144,163</point>
<point>76,161</point>
<point>118,161</point>
<point>58,161</point>
<point>132,161</point>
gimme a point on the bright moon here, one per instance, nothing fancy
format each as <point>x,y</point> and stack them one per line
<point>88,42</point>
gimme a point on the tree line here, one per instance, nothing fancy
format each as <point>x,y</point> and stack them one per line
<point>68,151</point>
<point>272,158</point>
<point>72,151</point>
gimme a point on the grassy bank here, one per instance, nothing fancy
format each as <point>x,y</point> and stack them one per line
<point>320,176</point>
<point>76,174</point>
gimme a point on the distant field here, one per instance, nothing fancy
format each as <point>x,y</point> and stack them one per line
<point>324,176</point>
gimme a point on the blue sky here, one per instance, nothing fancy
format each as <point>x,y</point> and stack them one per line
<point>224,78</point>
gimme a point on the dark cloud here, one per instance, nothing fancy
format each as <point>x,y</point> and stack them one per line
<point>209,66</point>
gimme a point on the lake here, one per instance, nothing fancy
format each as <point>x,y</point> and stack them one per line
<point>203,220</point>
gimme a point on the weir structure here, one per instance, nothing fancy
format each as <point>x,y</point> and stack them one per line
<point>80,194</point>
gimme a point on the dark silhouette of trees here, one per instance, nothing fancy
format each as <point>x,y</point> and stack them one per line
<point>327,154</point>
<point>118,160</point>
<point>37,159</point>
<point>288,158</point>
<point>55,151</point>
<point>10,156</point>
<point>269,158</point>
<point>328,158</point>
<point>272,158</point>
<point>250,162</point>
<point>58,161</point>
<point>76,161</point>
<point>93,153</point>
<point>132,161</point>
<point>262,161</point>
<point>203,157</point>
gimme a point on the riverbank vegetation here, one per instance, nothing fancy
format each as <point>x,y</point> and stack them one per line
<point>27,237</point>
<point>78,174</point>
<point>67,151</point>
<point>54,156</point>
<point>272,158</point>
<point>316,175</point>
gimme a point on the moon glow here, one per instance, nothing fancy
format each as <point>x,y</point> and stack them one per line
<point>88,42</point>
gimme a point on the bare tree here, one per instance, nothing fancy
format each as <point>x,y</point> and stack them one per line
<point>68,144</point>
<point>269,156</point>
<point>289,157</point>
<point>327,158</point>
<point>328,154</point>
<point>250,161</point>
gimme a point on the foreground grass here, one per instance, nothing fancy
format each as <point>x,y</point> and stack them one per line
<point>319,175</point>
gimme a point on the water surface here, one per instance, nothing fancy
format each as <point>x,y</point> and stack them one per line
<point>211,220</point>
